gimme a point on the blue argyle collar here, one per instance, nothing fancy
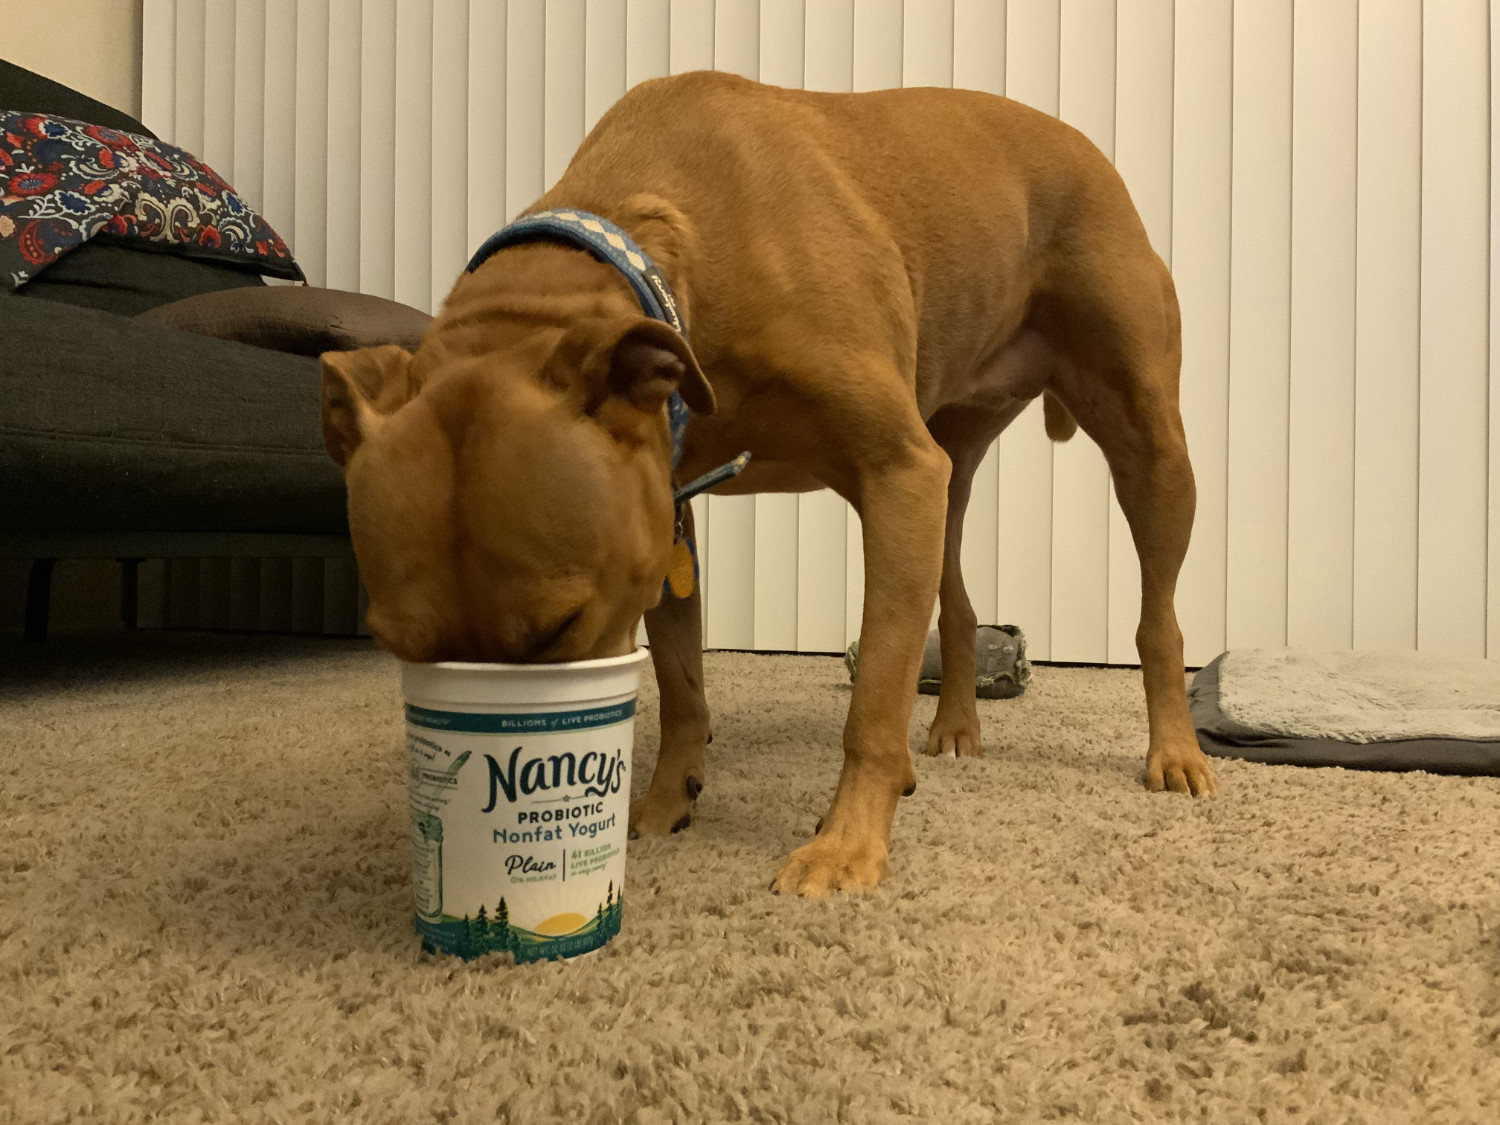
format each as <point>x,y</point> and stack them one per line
<point>609,243</point>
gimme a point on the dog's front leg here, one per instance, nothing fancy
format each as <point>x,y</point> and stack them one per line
<point>902,505</point>
<point>675,630</point>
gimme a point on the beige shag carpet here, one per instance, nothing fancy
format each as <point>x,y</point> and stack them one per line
<point>206,916</point>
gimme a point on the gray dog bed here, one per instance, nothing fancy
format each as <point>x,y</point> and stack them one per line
<point>1001,670</point>
<point>1359,710</point>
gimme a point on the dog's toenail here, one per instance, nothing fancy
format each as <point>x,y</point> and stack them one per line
<point>634,834</point>
<point>817,828</point>
<point>773,889</point>
<point>909,790</point>
<point>693,787</point>
<point>687,819</point>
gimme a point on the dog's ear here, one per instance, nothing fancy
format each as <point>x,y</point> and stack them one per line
<point>651,360</point>
<point>638,362</point>
<point>359,389</point>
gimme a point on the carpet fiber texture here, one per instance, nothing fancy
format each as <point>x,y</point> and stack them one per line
<point>206,916</point>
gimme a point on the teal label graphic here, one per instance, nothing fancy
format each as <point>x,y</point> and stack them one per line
<point>539,722</point>
<point>518,825</point>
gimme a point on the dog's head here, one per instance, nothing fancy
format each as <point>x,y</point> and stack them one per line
<point>513,505</point>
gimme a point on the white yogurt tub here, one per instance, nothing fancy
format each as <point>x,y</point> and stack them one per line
<point>519,779</point>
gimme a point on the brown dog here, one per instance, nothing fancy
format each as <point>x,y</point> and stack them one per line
<point>875,285</point>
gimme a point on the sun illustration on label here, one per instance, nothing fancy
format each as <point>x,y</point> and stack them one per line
<point>560,924</point>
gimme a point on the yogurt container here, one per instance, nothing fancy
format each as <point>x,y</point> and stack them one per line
<point>519,782</point>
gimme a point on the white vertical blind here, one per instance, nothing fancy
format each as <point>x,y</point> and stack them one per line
<point>310,171</point>
<point>186,63</point>
<point>248,93</point>
<point>1452,507</point>
<point>412,149</point>
<point>377,148</point>
<point>979,45</point>
<point>525,113</point>
<point>737,37</point>
<point>343,221</point>
<point>1201,175</point>
<point>1492,641</point>
<point>1320,435</point>
<point>927,44</point>
<point>604,57</point>
<point>489,83</point>
<point>213,83</point>
<point>690,30</point>
<point>878,53</point>
<point>1387,326</point>
<point>1315,172</point>
<point>159,84</point>
<point>563,88</point>
<point>648,40</point>
<point>279,116</point>
<point>829,63</point>
<point>449,195</point>
<point>1260,232</point>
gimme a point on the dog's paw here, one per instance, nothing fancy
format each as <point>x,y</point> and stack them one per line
<point>662,814</point>
<point>828,863</point>
<point>1180,768</point>
<point>954,737</point>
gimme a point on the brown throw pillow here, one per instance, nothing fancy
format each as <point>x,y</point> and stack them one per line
<point>296,318</point>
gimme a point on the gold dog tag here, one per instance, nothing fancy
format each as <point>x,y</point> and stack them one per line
<point>682,573</point>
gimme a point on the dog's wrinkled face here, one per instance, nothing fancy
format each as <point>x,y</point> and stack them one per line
<point>513,507</point>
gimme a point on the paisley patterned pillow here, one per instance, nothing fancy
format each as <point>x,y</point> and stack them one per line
<point>63,182</point>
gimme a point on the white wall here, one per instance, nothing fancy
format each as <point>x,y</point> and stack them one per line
<point>94,46</point>
<point>1316,172</point>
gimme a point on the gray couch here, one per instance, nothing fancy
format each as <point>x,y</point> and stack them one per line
<point>125,438</point>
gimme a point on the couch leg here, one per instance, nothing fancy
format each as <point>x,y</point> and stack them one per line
<point>38,599</point>
<point>130,576</point>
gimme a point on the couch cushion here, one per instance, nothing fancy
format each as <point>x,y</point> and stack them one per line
<point>116,424</point>
<point>129,280</point>
<point>297,318</point>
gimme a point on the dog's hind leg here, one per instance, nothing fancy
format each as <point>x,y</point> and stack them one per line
<point>1123,392</point>
<point>1154,483</point>
<point>965,433</point>
<point>675,630</point>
